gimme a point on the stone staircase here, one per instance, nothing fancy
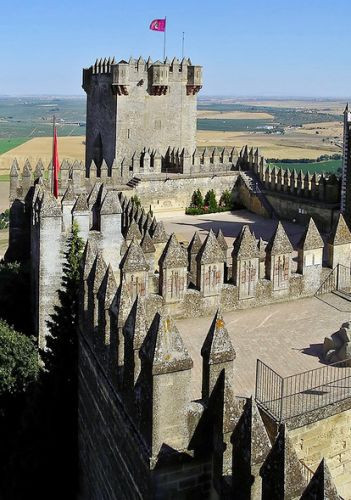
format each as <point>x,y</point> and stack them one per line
<point>254,185</point>
<point>133,182</point>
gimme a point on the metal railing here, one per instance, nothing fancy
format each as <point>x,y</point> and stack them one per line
<point>337,280</point>
<point>287,397</point>
<point>307,472</point>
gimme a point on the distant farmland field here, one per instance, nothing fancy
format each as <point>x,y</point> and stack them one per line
<point>32,116</point>
<point>8,144</point>
<point>237,125</point>
<point>319,167</point>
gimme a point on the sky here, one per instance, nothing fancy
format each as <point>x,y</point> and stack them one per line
<point>247,48</point>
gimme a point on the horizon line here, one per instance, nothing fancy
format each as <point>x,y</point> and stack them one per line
<point>207,96</point>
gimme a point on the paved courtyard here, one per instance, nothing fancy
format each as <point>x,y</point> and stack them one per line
<point>288,337</point>
<point>229,222</point>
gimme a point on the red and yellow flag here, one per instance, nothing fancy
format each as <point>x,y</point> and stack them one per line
<point>158,25</point>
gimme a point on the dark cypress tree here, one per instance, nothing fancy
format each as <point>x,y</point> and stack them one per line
<point>60,357</point>
<point>61,364</point>
<point>44,452</point>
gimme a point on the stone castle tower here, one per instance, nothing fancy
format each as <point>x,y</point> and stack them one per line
<point>346,168</point>
<point>139,106</point>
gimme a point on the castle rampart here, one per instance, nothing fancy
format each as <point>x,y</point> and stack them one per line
<point>100,214</point>
<point>346,166</point>
<point>141,351</point>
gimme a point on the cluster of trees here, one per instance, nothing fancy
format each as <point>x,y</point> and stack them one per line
<point>38,390</point>
<point>335,156</point>
<point>209,204</point>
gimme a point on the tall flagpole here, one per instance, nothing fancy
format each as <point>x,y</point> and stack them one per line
<point>164,39</point>
<point>53,151</point>
<point>183,45</point>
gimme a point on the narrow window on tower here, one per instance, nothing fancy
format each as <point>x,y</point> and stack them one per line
<point>128,133</point>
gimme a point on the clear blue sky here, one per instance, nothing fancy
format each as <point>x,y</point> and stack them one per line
<point>252,47</point>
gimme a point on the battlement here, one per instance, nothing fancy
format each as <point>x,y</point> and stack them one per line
<point>155,76</point>
<point>308,186</point>
<point>146,164</point>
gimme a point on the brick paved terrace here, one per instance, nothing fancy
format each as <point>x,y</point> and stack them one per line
<point>288,337</point>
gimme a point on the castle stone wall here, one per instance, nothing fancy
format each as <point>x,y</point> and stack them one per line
<point>300,209</point>
<point>175,192</point>
<point>114,465</point>
<point>101,121</point>
<point>330,438</point>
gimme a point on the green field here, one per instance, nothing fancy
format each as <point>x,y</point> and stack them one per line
<point>234,125</point>
<point>330,166</point>
<point>27,117</point>
<point>8,144</point>
<point>4,178</point>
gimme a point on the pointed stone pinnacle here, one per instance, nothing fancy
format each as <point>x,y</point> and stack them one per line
<point>311,239</point>
<point>218,347</point>
<point>210,252</point>
<point>134,259</point>
<point>147,245</point>
<point>279,242</point>
<point>340,234</point>
<point>111,204</point>
<point>173,255</point>
<point>245,245</point>
<point>170,353</point>
<point>195,244</point>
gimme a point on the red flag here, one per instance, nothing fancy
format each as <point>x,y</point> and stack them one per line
<point>158,25</point>
<point>55,165</point>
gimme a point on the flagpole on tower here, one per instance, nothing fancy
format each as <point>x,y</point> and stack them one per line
<point>164,39</point>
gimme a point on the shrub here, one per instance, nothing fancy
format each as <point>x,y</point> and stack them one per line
<point>210,200</point>
<point>194,211</point>
<point>18,360</point>
<point>226,199</point>
<point>210,205</point>
<point>197,199</point>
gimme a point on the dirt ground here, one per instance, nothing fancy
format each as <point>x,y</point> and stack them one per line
<point>293,144</point>
<point>70,148</point>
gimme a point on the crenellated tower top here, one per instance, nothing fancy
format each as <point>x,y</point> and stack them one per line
<point>139,105</point>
